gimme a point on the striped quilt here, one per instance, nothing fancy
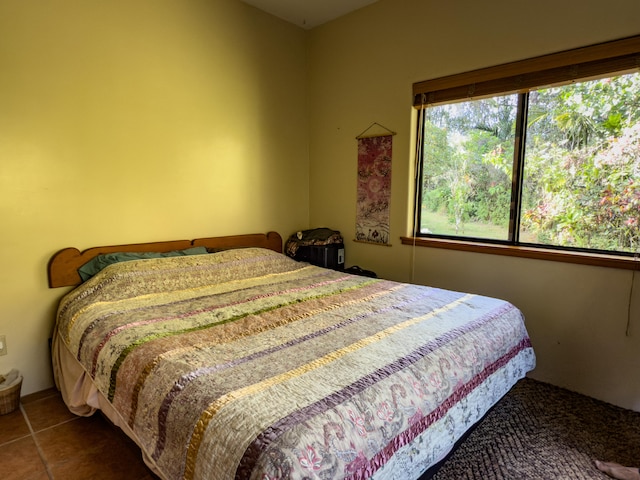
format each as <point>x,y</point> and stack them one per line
<point>247,364</point>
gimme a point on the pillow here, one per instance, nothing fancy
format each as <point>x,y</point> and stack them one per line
<point>99,262</point>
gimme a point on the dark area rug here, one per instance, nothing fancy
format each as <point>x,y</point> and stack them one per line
<point>539,431</point>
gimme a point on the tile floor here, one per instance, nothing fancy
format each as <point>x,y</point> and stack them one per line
<point>42,440</point>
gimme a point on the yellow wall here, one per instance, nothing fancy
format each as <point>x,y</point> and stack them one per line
<point>131,121</point>
<point>139,120</point>
<point>361,69</point>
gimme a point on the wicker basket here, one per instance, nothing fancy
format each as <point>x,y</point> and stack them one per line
<point>10,398</point>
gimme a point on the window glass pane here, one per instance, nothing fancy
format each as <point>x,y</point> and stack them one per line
<point>467,166</point>
<point>582,166</point>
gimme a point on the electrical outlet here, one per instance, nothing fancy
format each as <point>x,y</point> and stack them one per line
<point>3,345</point>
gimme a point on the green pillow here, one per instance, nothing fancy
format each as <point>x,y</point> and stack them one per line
<point>99,262</point>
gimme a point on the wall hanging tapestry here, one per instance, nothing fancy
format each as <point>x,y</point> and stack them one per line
<point>374,187</point>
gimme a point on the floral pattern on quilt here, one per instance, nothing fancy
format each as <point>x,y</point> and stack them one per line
<point>247,364</point>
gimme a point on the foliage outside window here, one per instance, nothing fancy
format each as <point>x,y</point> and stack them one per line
<point>554,166</point>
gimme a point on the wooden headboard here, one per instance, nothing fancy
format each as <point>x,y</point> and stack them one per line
<point>63,266</point>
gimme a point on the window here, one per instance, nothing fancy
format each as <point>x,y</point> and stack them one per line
<point>541,153</point>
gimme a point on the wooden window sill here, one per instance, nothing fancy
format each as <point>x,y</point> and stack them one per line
<point>599,260</point>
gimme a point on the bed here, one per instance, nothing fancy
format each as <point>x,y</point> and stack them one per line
<point>234,361</point>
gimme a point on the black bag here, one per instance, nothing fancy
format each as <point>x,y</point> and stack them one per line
<point>319,246</point>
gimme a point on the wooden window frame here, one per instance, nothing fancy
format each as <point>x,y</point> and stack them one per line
<point>524,75</point>
<point>618,56</point>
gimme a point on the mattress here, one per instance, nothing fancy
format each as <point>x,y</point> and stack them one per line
<point>245,364</point>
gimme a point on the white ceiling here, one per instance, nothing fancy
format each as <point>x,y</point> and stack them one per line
<point>309,13</point>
